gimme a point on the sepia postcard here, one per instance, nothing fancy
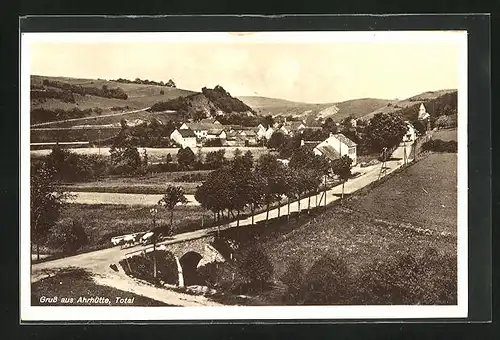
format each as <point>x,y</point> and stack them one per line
<point>244,175</point>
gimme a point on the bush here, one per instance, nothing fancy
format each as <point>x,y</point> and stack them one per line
<point>438,145</point>
<point>328,282</point>
<point>67,235</point>
<point>293,278</point>
<point>256,268</point>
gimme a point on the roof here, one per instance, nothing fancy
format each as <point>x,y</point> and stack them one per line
<point>344,139</point>
<point>249,133</point>
<point>215,131</point>
<point>203,126</point>
<point>310,145</point>
<point>328,151</point>
<point>186,133</point>
<point>293,125</point>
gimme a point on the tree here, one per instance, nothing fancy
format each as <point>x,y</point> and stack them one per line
<point>170,83</point>
<point>342,168</point>
<point>271,170</point>
<point>186,157</point>
<point>215,159</point>
<point>386,131</point>
<point>256,268</point>
<point>46,202</point>
<point>162,92</point>
<point>173,196</point>
<point>168,160</point>
<point>330,126</point>
<point>277,140</point>
<point>68,235</point>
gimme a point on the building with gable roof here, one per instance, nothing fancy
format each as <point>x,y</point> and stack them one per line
<point>184,137</point>
<point>336,146</point>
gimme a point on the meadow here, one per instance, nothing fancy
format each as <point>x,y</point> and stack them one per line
<point>446,134</point>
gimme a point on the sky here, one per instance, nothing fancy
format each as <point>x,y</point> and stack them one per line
<point>302,71</point>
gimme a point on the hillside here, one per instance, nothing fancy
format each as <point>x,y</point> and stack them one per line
<point>434,101</point>
<point>208,103</point>
<point>338,111</point>
<point>70,104</point>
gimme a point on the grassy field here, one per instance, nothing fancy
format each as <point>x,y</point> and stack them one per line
<point>352,229</point>
<point>102,221</point>
<point>149,184</point>
<point>71,135</point>
<point>446,134</point>
<point>73,283</point>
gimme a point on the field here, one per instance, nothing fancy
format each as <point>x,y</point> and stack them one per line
<point>446,134</point>
<point>46,135</point>
<point>352,229</point>
<point>76,283</point>
<point>149,184</point>
<point>159,154</point>
<point>101,222</point>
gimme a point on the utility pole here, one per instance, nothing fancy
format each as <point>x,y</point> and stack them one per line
<point>153,212</point>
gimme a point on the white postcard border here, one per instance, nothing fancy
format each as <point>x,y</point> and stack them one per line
<point>112,313</point>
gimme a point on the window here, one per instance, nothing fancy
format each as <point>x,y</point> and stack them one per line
<point>352,151</point>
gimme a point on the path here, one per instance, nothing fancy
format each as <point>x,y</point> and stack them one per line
<point>85,118</point>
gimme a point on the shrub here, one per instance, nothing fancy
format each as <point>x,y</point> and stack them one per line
<point>67,235</point>
<point>328,282</point>
<point>256,268</point>
<point>438,145</point>
<point>293,278</point>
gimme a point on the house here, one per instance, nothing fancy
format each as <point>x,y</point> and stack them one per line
<point>291,128</point>
<point>215,133</point>
<point>201,129</point>
<point>424,117</point>
<point>261,132</point>
<point>269,133</point>
<point>184,137</point>
<point>249,136</point>
<point>336,146</point>
<point>233,138</point>
<point>411,133</point>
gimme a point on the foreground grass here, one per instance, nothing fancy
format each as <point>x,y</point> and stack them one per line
<point>66,287</point>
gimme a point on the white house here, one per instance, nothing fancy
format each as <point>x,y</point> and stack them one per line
<point>269,133</point>
<point>337,145</point>
<point>411,133</point>
<point>203,128</point>
<point>422,113</point>
<point>261,131</point>
<point>184,137</point>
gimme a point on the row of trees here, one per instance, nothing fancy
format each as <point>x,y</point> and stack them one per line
<point>244,184</point>
<point>169,83</point>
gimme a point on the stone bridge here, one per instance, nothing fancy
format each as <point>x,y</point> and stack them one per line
<point>189,255</point>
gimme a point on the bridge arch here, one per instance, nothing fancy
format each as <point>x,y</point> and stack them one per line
<point>189,263</point>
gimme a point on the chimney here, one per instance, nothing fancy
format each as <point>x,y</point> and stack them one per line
<point>301,142</point>
<point>331,134</point>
